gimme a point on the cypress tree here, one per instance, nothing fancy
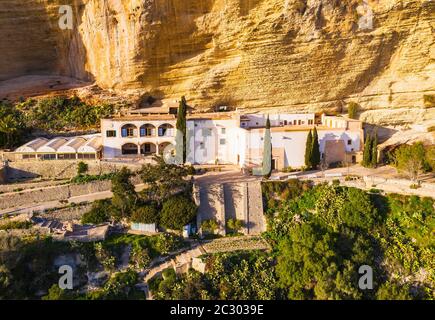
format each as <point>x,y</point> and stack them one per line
<point>308,150</point>
<point>267,150</point>
<point>374,149</point>
<point>367,154</point>
<point>181,127</point>
<point>315,153</point>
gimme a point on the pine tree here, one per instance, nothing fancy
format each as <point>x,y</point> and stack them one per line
<point>267,150</point>
<point>308,150</point>
<point>181,127</point>
<point>374,149</point>
<point>315,153</point>
<point>367,155</point>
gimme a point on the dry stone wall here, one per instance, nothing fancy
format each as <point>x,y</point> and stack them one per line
<point>58,169</point>
<point>56,193</point>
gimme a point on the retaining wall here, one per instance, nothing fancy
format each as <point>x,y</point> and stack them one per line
<point>59,169</point>
<point>55,193</point>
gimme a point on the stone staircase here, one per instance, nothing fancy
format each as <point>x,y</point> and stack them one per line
<point>241,201</point>
<point>211,206</point>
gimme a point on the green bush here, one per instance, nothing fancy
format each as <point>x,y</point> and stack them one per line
<point>139,257</point>
<point>83,179</point>
<point>16,225</point>
<point>352,110</point>
<point>60,113</point>
<point>177,212</point>
<point>234,225</point>
<point>145,214</point>
<point>100,212</point>
<point>82,168</point>
<point>209,226</point>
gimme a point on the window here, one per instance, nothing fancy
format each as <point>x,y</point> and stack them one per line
<point>127,132</point>
<point>47,156</point>
<point>110,133</point>
<point>66,156</point>
<point>223,130</point>
<point>285,122</point>
<point>310,122</point>
<point>86,156</point>
<point>349,142</point>
<point>295,122</point>
<point>299,122</point>
<point>29,156</point>
<point>146,132</point>
<point>223,141</point>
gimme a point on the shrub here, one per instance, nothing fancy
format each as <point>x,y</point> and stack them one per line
<point>145,214</point>
<point>234,225</point>
<point>99,213</point>
<point>411,159</point>
<point>16,225</point>
<point>82,179</point>
<point>288,169</point>
<point>177,211</point>
<point>191,170</point>
<point>209,226</point>
<point>139,257</point>
<point>352,110</point>
<point>104,257</point>
<point>82,168</point>
<point>358,210</point>
<point>165,243</point>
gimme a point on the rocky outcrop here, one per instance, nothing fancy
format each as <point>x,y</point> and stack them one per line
<point>301,55</point>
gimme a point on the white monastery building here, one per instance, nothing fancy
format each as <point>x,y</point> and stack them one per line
<point>233,137</point>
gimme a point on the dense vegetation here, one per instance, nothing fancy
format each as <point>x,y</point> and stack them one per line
<point>49,115</point>
<point>322,236</point>
<point>413,160</point>
<point>230,276</point>
<point>167,200</point>
<point>28,267</point>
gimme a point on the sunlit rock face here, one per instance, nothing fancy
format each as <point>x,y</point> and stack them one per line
<point>296,55</point>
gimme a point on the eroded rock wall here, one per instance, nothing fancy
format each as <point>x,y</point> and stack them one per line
<point>301,55</point>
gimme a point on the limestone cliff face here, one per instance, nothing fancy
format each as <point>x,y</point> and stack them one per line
<point>283,54</point>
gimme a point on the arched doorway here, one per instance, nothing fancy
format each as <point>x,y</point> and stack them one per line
<point>129,149</point>
<point>148,149</point>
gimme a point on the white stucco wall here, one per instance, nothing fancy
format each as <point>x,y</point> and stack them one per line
<point>112,146</point>
<point>294,143</point>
